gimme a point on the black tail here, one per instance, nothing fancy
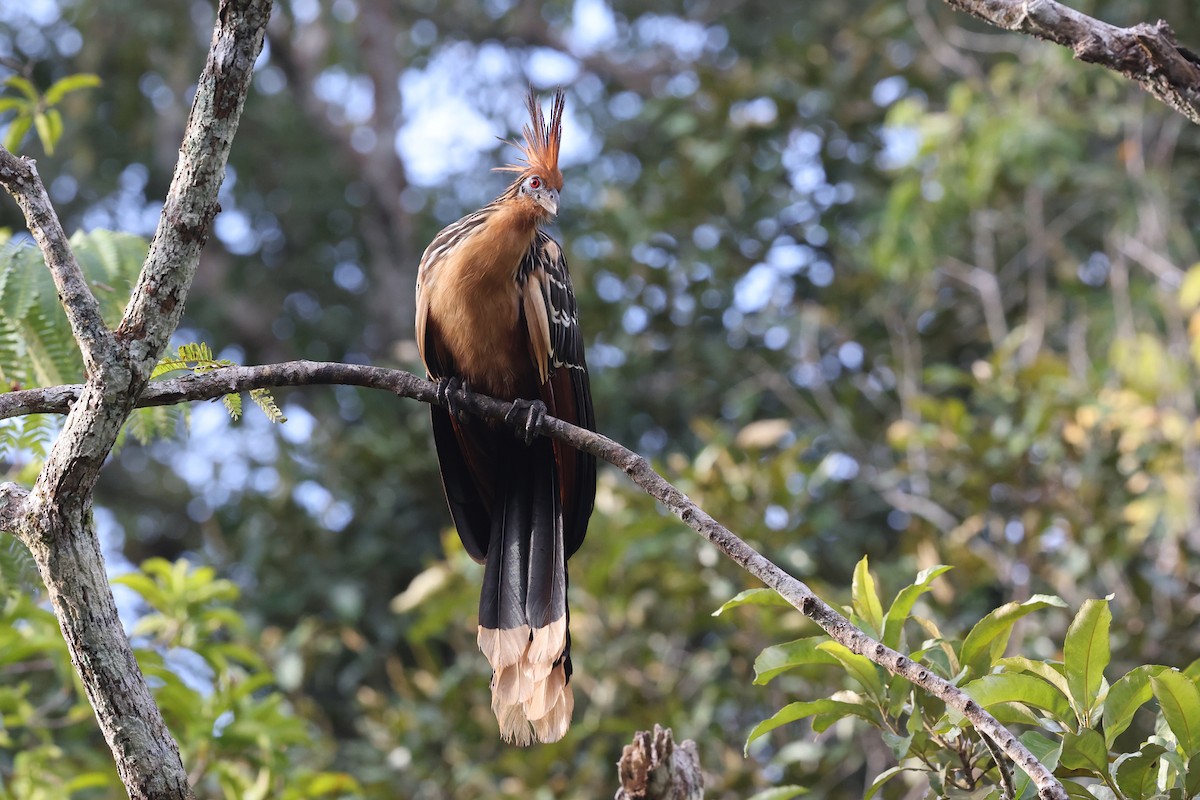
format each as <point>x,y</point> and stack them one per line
<point>523,605</point>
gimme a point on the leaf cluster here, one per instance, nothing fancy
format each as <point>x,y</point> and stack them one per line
<point>1072,717</point>
<point>36,344</point>
<point>238,733</point>
<point>33,109</point>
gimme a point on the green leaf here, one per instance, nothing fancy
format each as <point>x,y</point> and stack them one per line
<point>987,640</point>
<point>778,659</point>
<point>1085,750</point>
<point>861,668</point>
<point>1043,669</point>
<point>753,597</point>
<point>43,131</point>
<point>16,132</point>
<point>1180,703</point>
<point>1125,697</point>
<point>324,783</point>
<point>780,793</point>
<point>54,124</point>
<point>1009,687</point>
<point>266,401</point>
<point>71,83</point>
<point>1086,654</point>
<point>1191,782</point>
<point>897,614</point>
<point>802,710</point>
<point>12,104</point>
<point>865,599</point>
<point>23,86</point>
<point>899,745</point>
<point>233,405</point>
<point>1138,775</point>
<point>883,778</point>
<point>1189,291</point>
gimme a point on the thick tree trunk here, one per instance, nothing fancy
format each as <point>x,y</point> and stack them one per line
<point>54,519</point>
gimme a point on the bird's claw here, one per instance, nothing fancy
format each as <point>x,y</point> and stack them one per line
<point>447,394</point>
<point>534,412</point>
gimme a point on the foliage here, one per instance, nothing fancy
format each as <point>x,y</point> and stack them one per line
<point>239,734</point>
<point>38,349</point>
<point>197,358</point>
<point>39,111</point>
<point>864,278</point>
<point>1072,716</point>
<point>36,345</point>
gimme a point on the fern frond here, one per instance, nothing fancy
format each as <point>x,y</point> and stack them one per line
<point>266,401</point>
<point>110,261</point>
<point>233,404</point>
<point>36,343</point>
<point>26,441</point>
<point>169,364</point>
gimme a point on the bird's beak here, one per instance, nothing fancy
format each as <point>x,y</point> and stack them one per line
<point>549,201</point>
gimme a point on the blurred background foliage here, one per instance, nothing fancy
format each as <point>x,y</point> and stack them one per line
<point>865,278</point>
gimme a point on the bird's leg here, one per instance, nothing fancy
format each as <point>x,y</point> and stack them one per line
<point>447,391</point>
<point>534,411</point>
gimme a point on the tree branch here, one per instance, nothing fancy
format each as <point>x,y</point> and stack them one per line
<point>157,304</point>
<point>300,373</point>
<point>1148,54</point>
<point>20,178</point>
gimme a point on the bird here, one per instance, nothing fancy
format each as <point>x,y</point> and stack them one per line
<point>496,314</point>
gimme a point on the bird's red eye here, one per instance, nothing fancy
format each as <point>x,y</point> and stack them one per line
<point>535,183</point>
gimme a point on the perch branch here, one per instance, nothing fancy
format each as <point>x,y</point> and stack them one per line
<point>300,373</point>
<point>1145,53</point>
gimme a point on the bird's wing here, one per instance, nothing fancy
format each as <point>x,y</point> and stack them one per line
<point>466,449</point>
<point>551,319</point>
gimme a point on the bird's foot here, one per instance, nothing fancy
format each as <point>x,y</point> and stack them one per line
<point>447,394</point>
<point>534,412</point>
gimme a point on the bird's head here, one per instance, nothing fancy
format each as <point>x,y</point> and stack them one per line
<point>539,179</point>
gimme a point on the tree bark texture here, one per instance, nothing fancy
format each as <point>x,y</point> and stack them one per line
<point>1145,53</point>
<point>54,519</point>
<point>654,767</point>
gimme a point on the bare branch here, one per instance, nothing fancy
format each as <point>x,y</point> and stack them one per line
<point>157,304</point>
<point>20,178</point>
<point>1148,54</point>
<point>404,384</point>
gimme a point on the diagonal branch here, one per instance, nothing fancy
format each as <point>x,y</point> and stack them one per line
<point>1147,54</point>
<point>157,304</point>
<point>20,178</point>
<point>300,373</point>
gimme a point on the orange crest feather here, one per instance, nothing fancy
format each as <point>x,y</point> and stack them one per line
<point>540,150</point>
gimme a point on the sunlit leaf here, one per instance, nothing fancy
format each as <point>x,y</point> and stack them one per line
<point>1086,653</point>
<point>1179,700</point>
<point>866,599</point>
<point>902,606</point>
<point>778,659</point>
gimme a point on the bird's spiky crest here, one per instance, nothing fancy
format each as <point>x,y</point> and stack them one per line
<point>540,150</point>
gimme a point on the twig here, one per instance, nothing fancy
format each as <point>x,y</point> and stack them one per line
<point>20,178</point>
<point>404,384</point>
<point>1147,54</point>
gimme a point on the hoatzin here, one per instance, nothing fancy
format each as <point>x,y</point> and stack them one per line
<point>496,313</point>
